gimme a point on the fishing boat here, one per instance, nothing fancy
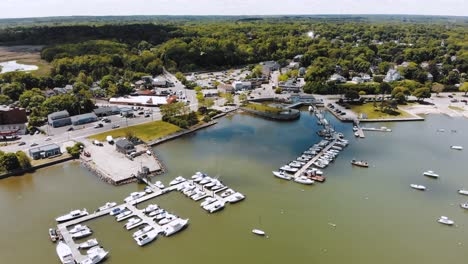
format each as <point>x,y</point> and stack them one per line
<point>235,198</point>
<point>227,193</point>
<point>133,196</point>
<point>418,187</point>
<point>169,218</point>
<point>208,201</point>
<point>133,222</point>
<point>146,237</point>
<point>445,220</point>
<point>464,205</point>
<point>177,180</point>
<point>304,180</point>
<point>116,211</point>
<point>142,231</point>
<point>431,174</point>
<point>361,163</point>
<point>258,232</point>
<point>88,244</point>
<point>159,184</point>
<point>175,226</point>
<point>150,208</point>
<point>64,253</point>
<point>72,215</point>
<point>282,175</point>
<point>464,192</point>
<point>287,168</point>
<point>95,256</point>
<point>456,147</point>
<point>106,206</point>
<point>82,233</point>
<point>214,207</point>
<point>77,228</point>
<point>124,215</point>
<point>53,234</point>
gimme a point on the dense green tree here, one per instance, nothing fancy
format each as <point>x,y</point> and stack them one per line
<point>422,93</point>
<point>12,90</point>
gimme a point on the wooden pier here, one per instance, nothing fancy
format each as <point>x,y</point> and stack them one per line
<point>360,131</point>
<point>315,158</point>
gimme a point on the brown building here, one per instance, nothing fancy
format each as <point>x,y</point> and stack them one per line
<point>12,121</point>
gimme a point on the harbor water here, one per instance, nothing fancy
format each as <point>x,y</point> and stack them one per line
<point>358,215</point>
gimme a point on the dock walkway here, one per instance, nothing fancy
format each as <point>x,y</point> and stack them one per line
<point>315,158</point>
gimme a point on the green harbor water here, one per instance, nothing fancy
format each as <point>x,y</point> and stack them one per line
<point>378,217</point>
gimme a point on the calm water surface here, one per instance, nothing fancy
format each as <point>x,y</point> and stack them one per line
<point>378,218</point>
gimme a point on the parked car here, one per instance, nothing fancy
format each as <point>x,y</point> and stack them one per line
<point>463,101</point>
<point>22,143</point>
<point>451,96</point>
<point>454,100</point>
<point>70,129</point>
<point>48,139</point>
<point>34,144</point>
<point>106,120</point>
<point>115,126</point>
<point>98,125</point>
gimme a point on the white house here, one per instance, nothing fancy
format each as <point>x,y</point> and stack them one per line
<point>392,76</point>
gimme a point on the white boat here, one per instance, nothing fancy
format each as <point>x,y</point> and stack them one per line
<point>227,193</point>
<point>124,215</point>
<point>355,128</point>
<point>418,187</point>
<point>303,180</point>
<point>282,175</point>
<point>217,187</point>
<point>72,215</point>
<point>133,196</point>
<point>235,197</point>
<point>311,109</point>
<point>205,180</point>
<point>175,226</point>
<point>456,147</point>
<point>445,220</point>
<point>214,207</point>
<point>64,253</point>
<point>77,228</point>
<point>133,222</point>
<point>258,232</point>
<point>95,256</point>
<point>116,211</point>
<point>464,205</point>
<point>464,192</point>
<point>356,134</point>
<point>431,174</point>
<point>188,189</point>
<point>295,164</point>
<point>159,184</point>
<point>208,201</point>
<point>82,233</point>
<point>211,184</point>
<point>143,230</point>
<point>190,193</point>
<point>156,212</point>
<point>107,206</point>
<point>148,189</point>
<point>88,244</point>
<point>177,180</point>
<point>319,164</point>
<point>169,218</point>
<point>199,195</point>
<point>150,208</point>
<point>146,237</point>
<point>161,216</point>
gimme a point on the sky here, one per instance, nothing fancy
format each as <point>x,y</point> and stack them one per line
<point>42,8</point>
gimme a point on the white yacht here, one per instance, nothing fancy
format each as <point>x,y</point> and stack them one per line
<point>319,164</point>
<point>214,207</point>
<point>141,231</point>
<point>258,232</point>
<point>64,253</point>
<point>77,228</point>
<point>95,256</point>
<point>282,175</point>
<point>107,206</point>
<point>431,174</point>
<point>205,180</point>
<point>198,196</point>
<point>464,205</point>
<point>82,233</point>
<point>175,226</point>
<point>148,189</point>
<point>311,109</point>
<point>235,197</point>
<point>211,184</point>
<point>133,222</point>
<point>133,196</point>
<point>227,193</point>
<point>156,212</point>
<point>116,211</point>
<point>445,220</point>
<point>456,147</point>
<point>418,187</point>
<point>190,192</point>
<point>159,184</point>
<point>356,134</point>
<point>217,187</point>
<point>88,244</point>
<point>72,215</point>
<point>146,238</point>
<point>124,215</point>
<point>177,180</point>
<point>169,218</point>
<point>150,208</point>
<point>208,201</point>
<point>304,180</point>
<point>464,192</point>
<point>295,164</point>
<point>161,216</point>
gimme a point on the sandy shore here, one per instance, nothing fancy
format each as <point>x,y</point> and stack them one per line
<point>440,105</point>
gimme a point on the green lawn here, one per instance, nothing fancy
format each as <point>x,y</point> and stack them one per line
<point>374,113</point>
<point>263,108</point>
<point>146,132</point>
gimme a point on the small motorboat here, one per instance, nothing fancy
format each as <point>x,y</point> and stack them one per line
<point>77,228</point>
<point>133,196</point>
<point>208,201</point>
<point>82,233</point>
<point>161,216</point>
<point>148,189</point>
<point>235,198</point>
<point>175,226</point>
<point>464,192</point>
<point>318,178</point>
<point>356,134</point>
<point>143,230</point>
<point>169,218</point>
<point>124,215</point>
<point>361,163</point>
<point>445,220</point>
<point>464,205</point>
<point>258,232</point>
<point>431,174</point>
<point>418,187</point>
<point>106,206</point>
<point>198,196</point>
<point>287,168</point>
<point>64,253</point>
<point>95,256</point>
<point>116,211</point>
<point>150,208</point>
<point>304,180</point>
<point>227,193</point>
<point>72,215</point>
<point>146,237</point>
<point>133,222</point>
<point>159,184</point>
<point>456,147</point>
<point>177,180</point>
<point>282,175</point>
<point>214,207</point>
<point>205,180</point>
<point>53,234</point>
<point>88,244</point>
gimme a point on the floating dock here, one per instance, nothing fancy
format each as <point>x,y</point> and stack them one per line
<point>315,158</point>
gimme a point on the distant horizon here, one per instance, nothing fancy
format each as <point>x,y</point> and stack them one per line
<point>12,9</point>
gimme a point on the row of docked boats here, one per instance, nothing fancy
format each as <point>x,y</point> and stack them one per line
<point>95,254</point>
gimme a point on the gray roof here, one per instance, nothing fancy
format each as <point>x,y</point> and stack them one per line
<point>122,143</point>
<point>106,109</point>
<point>84,116</point>
<point>44,148</point>
<point>59,114</point>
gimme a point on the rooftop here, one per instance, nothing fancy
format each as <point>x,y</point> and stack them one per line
<point>44,148</point>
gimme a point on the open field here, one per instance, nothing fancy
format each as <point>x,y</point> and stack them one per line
<point>25,55</point>
<point>374,113</point>
<point>146,132</point>
<point>263,108</point>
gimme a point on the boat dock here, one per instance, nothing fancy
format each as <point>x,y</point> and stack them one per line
<point>314,159</point>
<point>381,129</point>
<point>360,132</point>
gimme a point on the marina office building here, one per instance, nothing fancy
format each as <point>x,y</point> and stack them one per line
<point>44,152</point>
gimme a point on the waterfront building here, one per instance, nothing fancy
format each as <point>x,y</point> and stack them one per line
<point>124,146</point>
<point>43,152</point>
